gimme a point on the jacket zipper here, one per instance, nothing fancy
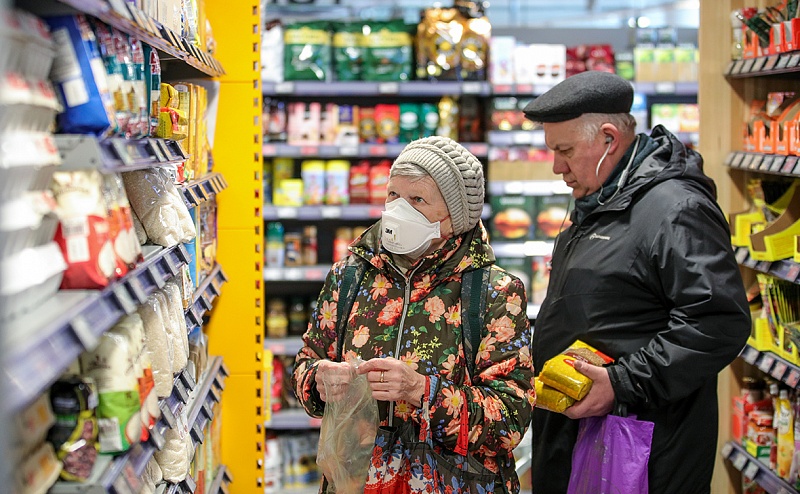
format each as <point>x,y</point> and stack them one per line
<point>565,260</point>
<point>406,299</point>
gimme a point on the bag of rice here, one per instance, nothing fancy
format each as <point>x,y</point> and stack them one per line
<point>158,345</point>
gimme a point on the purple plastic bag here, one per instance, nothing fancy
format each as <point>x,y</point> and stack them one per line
<point>611,455</point>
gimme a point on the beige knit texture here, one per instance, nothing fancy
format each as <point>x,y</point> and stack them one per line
<point>456,171</point>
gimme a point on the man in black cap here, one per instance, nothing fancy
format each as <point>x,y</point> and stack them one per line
<point>645,274</point>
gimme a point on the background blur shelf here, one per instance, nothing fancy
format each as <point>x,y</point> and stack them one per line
<point>754,469</point>
<point>284,346</point>
<point>221,481</point>
<point>203,189</point>
<point>116,154</point>
<point>293,418</point>
<point>416,89</point>
<point>775,164</point>
<point>209,289</point>
<point>343,212</point>
<point>769,363</point>
<point>279,149</point>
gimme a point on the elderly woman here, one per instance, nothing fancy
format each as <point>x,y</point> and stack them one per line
<point>406,318</point>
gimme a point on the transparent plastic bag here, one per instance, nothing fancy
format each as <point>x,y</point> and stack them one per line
<point>347,434</point>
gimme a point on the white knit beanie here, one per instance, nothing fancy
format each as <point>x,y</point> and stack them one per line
<point>456,171</point>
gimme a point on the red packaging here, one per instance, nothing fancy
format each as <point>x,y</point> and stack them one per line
<point>387,122</point>
<point>359,183</point>
<point>378,179</point>
<point>83,230</point>
<point>367,125</point>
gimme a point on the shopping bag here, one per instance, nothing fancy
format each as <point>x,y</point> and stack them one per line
<point>347,434</point>
<point>611,456</point>
<point>406,462</point>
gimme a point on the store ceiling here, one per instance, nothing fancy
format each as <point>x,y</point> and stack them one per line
<point>517,13</point>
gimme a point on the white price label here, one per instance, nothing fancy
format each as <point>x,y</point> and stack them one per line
<point>750,470</point>
<point>779,370</point>
<point>156,275</point>
<point>287,212</point>
<point>520,137</point>
<point>739,462</point>
<point>138,290</point>
<point>388,88</point>
<point>766,363</point>
<point>83,332</point>
<point>293,274</point>
<point>123,297</point>
<point>726,450</point>
<point>284,88</point>
<point>330,212</point>
<point>665,88</point>
<point>537,138</point>
<point>472,87</point>
<point>348,150</point>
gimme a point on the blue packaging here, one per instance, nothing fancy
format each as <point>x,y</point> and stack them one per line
<point>80,78</point>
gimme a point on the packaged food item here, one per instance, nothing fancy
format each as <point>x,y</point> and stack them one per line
<point>313,174</point>
<point>152,80</point>
<point>31,425</point>
<point>470,128</point>
<point>348,125</point>
<point>83,231</point>
<point>559,372</point>
<point>171,326</point>
<point>337,181</point>
<point>175,457</point>
<point>298,317</point>
<point>158,345</point>
<point>348,50</point>
<point>277,318</point>
<point>126,245</point>
<point>159,207</point>
<point>74,434</point>
<point>275,246</point>
<point>551,399</point>
<point>294,250</point>
<point>429,119</point>
<point>367,126</point>
<point>28,221</point>
<point>111,366</point>
<point>307,51</point>
<point>438,36</point>
<point>410,123</point>
<point>378,180</point>
<point>133,326</point>
<point>341,241</point>
<point>84,91</point>
<point>309,246</point>
<point>272,52</point>
<point>474,48</point>
<point>552,215</point>
<point>29,278</point>
<point>388,51</point>
<point>329,123</point>
<point>359,182</point>
<point>206,256</point>
<point>387,121</point>
<point>38,471</point>
<point>448,118</point>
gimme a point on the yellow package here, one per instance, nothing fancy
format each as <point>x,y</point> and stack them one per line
<point>551,399</point>
<point>559,372</point>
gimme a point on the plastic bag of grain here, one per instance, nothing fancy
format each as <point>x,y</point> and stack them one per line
<point>158,205</point>
<point>133,326</point>
<point>175,302</point>
<point>170,325</point>
<point>151,476</point>
<point>175,457</point>
<point>158,345</point>
<point>111,365</point>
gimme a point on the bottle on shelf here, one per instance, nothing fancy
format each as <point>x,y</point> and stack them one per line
<point>275,245</point>
<point>277,318</point>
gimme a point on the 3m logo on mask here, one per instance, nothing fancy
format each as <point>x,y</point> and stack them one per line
<point>388,231</point>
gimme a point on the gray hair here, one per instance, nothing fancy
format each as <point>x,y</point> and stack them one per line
<point>406,169</point>
<point>590,123</point>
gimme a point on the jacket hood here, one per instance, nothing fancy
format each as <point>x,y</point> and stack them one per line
<point>465,252</point>
<point>670,160</point>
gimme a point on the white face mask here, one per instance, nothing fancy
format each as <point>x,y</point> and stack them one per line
<point>404,230</point>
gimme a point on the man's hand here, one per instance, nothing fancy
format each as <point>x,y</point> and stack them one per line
<point>393,380</point>
<point>600,399</point>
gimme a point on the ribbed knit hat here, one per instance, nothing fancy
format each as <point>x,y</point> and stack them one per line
<point>456,171</point>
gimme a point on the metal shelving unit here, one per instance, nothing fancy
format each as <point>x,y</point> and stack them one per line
<point>363,150</point>
<point>784,269</point>
<point>415,89</point>
<point>203,189</point>
<point>116,154</point>
<point>769,363</point>
<point>204,297</point>
<point>221,481</point>
<point>783,63</point>
<point>41,344</point>
<point>754,469</point>
<point>774,164</point>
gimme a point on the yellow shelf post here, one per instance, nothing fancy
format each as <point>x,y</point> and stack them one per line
<point>236,326</point>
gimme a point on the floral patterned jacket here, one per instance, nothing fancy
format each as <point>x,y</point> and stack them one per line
<point>418,320</point>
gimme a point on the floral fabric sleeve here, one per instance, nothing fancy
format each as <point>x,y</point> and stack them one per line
<point>319,343</point>
<point>500,400</point>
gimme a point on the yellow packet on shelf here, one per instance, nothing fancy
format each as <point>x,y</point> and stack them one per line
<point>559,372</point>
<point>551,399</point>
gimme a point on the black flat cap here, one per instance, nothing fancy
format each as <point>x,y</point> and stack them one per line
<point>586,92</point>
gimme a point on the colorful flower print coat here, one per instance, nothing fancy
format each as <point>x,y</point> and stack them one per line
<point>418,320</point>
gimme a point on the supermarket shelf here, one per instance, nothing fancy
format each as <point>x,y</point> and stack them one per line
<point>207,390</point>
<point>297,273</point>
<point>782,63</point>
<point>204,297</point>
<point>41,344</point>
<point>754,469</point>
<point>221,481</point>
<point>530,248</point>
<point>129,19</point>
<point>528,187</point>
<point>344,212</point>
<point>293,418</point>
<point>284,346</point>
<point>116,154</point>
<point>279,149</point>
<point>201,190</point>
<point>116,474</point>
<point>784,269</point>
<point>416,89</point>
<point>501,138</point>
<point>769,363</point>
<point>648,88</point>
<point>775,164</point>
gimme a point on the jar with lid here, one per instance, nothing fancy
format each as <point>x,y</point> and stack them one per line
<point>277,319</point>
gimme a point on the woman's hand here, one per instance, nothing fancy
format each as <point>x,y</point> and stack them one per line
<point>337,375</point>
<point>392,380</point>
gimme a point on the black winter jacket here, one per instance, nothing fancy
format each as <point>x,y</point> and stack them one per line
<point>650,279</point>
